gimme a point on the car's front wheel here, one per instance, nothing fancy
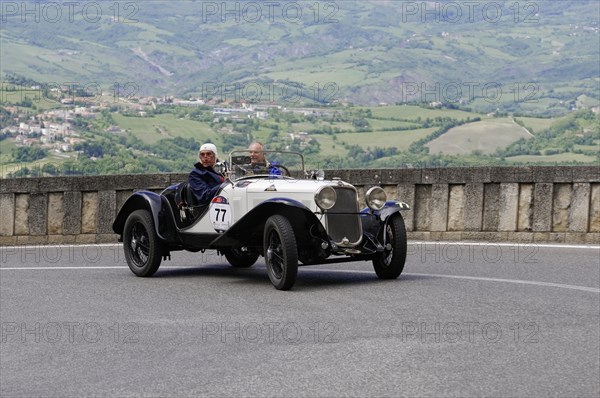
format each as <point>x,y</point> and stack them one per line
<point>390,263</point>
<point>143,249</point>
<point>240,259</point>
<point>281,252</point>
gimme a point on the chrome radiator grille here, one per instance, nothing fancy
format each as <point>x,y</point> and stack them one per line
<point>343,220</point>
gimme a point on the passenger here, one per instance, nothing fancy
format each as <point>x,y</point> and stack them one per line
<point>203,180</point>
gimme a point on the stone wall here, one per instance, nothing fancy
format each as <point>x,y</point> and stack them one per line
<point>518,204</point>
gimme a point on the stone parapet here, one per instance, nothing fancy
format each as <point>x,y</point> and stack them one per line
<point>493,204</point>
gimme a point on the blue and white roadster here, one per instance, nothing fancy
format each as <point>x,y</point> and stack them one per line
<point>290,218</point>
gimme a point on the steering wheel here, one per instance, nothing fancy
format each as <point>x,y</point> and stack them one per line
<point>284,170</point>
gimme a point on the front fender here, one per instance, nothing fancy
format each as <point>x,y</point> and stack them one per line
<point>372,220</point>
<point>248,230</point>
<point>150,201</point>
<point>390,207</point>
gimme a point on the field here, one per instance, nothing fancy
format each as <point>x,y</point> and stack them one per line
<point>383,139</point>
<point>13,95</point>
<point>338,137</point>
<point>559,158</point>
<point>536,125</point>
<point>595,147</point>
<point>6,166</point>
<point>412,112</point>
<point>6,147</point>
<point>152,129</point>
<point>379,124</point>
<point>587,101</point>
<point>485,136</point>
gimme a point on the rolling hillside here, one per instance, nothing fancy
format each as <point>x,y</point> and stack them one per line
<point>167,139</point>
<point>527,57</point>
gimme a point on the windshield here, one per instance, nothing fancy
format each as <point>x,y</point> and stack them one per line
<point>271,164</point>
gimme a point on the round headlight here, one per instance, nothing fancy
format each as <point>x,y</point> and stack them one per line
<point>325,197</point>
<point>376,198</point>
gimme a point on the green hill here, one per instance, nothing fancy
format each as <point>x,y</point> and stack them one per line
<point>526,57</point>
<point>167,139</point>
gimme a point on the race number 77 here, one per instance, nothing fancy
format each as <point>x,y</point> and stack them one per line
<point>219,212</point>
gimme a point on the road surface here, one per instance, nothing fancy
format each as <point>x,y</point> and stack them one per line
<point>463,320</point>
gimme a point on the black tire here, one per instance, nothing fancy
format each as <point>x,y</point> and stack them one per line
<point>281,253</point>
<point>240,259</point>
<point>143,249</point>
<point>390,263</point>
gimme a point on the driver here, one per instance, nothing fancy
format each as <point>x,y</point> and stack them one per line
<point>203,180</point>
<point>258,162</point>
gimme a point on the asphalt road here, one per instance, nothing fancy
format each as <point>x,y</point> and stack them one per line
<point>463,320</point>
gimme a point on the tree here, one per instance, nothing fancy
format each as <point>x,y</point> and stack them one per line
<point>51,169</point>
<point>28,154</point>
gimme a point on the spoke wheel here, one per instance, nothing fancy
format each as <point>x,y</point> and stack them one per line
<point>281,253</point>
<point>240,259</point>
<point>143,249</point>
<point>390,263</point>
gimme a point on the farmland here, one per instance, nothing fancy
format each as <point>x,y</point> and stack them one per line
<point>167,138</point>
<point>484,136</point>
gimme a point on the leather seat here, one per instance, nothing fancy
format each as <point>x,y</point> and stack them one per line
<point>187,196</point>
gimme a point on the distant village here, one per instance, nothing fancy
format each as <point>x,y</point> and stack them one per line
<point>55,129</point>
<point>52,129</point>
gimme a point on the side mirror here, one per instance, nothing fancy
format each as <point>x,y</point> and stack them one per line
<point>221,167</point>
<point>318,175</point>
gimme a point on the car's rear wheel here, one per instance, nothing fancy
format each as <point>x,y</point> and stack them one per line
<point>240,259</point>
<point>280,251</point>
<point>143,249</point>
<point>390,263</point>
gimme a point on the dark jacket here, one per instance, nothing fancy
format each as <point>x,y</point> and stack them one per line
<point>262,168</point>
<point>204,183</point>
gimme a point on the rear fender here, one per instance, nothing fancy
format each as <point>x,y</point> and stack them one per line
<point>156,204</point>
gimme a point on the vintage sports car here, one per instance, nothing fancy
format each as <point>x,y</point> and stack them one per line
<point>277,210</point>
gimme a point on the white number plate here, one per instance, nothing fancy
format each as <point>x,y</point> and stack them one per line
<point>220,216</point>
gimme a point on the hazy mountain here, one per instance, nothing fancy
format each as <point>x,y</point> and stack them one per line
<point>526,56</point>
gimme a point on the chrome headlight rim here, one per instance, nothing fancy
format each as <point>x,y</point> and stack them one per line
<point>376,198</point>
<point>325,202</point>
